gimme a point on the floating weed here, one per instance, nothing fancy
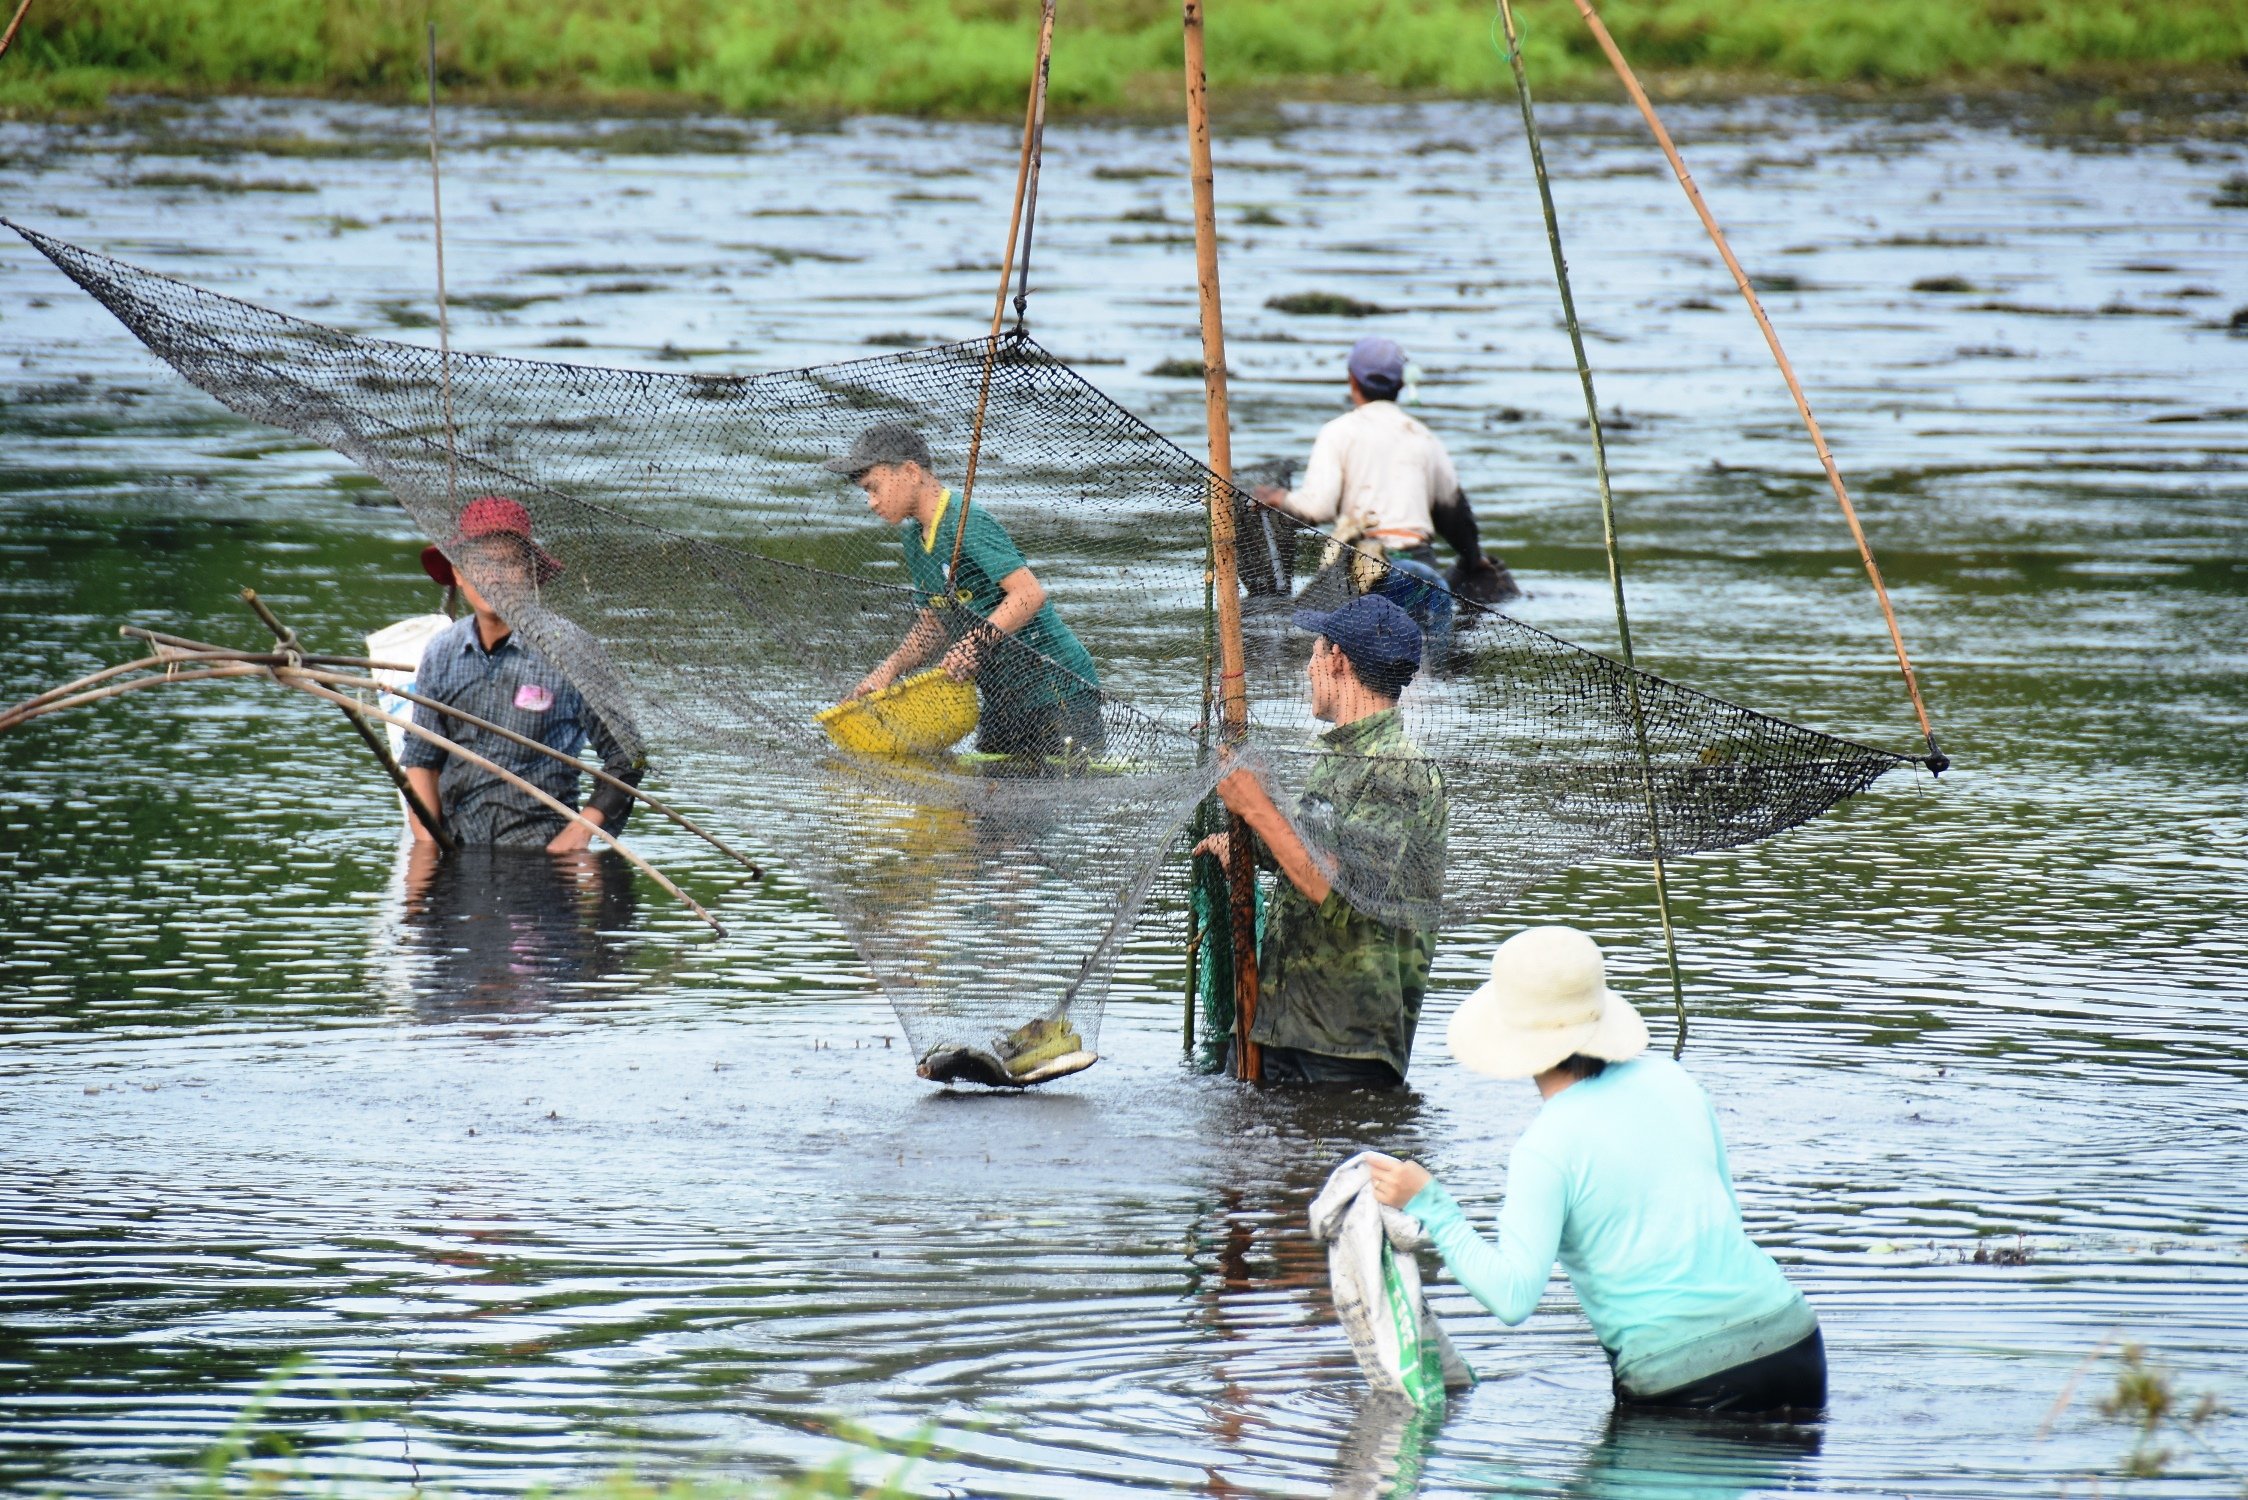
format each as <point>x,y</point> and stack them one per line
<point>1324,305</point>
<point>211,182</point>
<point>2232,192</point>
<point>1946,284</point>
<point>496,302</point>
<point>405,315</point>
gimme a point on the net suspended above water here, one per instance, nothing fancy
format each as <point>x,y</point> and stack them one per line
<point>720,588</point>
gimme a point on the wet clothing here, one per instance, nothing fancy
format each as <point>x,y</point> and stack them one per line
<point>1793,1379</point>
<point>1622,1178</point>
<point>1040,690</point>
<point>1380,473</point>
<point>1333,979</point>
<point>517,687</point>
<point>1316,1070</point>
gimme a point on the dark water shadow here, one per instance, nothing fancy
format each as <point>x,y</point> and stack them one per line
<point>500,932</point>
<point>1644,1453</point>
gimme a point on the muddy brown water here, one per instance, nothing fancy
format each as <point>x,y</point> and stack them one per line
<point>546,1180</point>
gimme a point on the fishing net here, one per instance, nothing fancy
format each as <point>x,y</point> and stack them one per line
<point>720,589</point>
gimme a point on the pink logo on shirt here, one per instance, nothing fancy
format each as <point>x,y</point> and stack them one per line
<point>533,698</point>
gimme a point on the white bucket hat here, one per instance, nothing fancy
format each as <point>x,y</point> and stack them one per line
<point>1546,999</point>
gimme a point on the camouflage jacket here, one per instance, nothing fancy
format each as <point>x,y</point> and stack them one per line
<point>1333,977</point>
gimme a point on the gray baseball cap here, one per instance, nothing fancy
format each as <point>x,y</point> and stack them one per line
<point>883,443</point>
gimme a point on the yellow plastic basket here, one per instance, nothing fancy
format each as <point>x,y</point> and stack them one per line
<point>923,715</point>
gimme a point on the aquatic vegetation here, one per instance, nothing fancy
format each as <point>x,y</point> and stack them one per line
<point>1324,305</point>
<point>2145,1399</point>
<point>968,56</point>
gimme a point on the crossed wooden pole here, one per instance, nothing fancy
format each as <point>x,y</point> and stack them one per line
<point>177,659</point>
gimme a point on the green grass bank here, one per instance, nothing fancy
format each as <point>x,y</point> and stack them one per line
<point>970,57</point>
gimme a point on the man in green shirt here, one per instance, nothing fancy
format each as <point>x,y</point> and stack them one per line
<point>990,619</point>
<point>1351,930</point>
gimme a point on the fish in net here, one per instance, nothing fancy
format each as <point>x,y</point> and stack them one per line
<point>722,588</point>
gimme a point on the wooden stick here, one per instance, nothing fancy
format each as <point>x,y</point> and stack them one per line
<point>1033,113</point>
<point>296,680</point>
<point>301,680</point>
<point>339,679</point>
<point>1241,866</point>
<point>9,39</point>
<point>375,743</point>
<point>200,648</point>
<point>11,719</point>
<point>79,684</point>
<point>1937,761</point>
<point>1607,513</point>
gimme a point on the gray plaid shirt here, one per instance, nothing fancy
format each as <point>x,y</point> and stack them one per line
<point>517,687</point>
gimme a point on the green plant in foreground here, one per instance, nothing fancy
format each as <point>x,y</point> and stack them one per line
<point>2145,1398</point>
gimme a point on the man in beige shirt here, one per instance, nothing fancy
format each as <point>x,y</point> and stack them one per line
<point>1377,473</point>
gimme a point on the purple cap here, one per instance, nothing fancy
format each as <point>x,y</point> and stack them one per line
<point>1378,365</point>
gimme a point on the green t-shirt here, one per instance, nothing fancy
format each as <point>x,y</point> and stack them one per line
<point>1043,663</point>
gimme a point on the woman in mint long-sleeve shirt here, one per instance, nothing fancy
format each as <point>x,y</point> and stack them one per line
<point>1622,1178</point>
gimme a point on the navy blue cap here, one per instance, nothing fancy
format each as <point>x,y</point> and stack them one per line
<point>1371,630</point>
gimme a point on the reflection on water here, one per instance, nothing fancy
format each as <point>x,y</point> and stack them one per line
<point>680,1198</point>
<point>498,932</point>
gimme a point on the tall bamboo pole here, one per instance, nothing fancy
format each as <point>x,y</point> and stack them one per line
<point>1936,760</point>
<point>1607,515</point>
<point>1241,871</point>
<point>1026,173</point>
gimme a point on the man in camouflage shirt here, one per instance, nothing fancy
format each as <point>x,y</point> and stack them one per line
<point>1351,930</point>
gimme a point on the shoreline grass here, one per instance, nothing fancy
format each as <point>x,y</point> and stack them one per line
<point>970,58</point>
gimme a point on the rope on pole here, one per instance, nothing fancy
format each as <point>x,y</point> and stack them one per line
<point>1936,760</point>
<point>1607,510</point>
<point>1034,116</point>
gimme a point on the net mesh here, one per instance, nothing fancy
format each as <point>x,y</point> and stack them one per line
<point>720,588</point>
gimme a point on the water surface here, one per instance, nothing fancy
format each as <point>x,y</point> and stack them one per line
<point>547,1178</point>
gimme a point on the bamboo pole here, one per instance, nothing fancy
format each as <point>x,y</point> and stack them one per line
<point>308,682</point>
<point>1241,872</point>
<point>1607,513</point>
<point>1937,761</point>
<point>12,718</point>
<point>339,679</point>
<point>349,705</point>
<point>1034,116</point>
<point>9,40</point>
<point>431,820</point>
<point>201,648</point>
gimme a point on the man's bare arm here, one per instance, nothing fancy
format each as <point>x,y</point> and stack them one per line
<point>925,636</point>
<point>423,779</point>
<point>1244,794</point>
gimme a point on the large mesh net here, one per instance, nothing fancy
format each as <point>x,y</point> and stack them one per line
<point>721,588</point>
